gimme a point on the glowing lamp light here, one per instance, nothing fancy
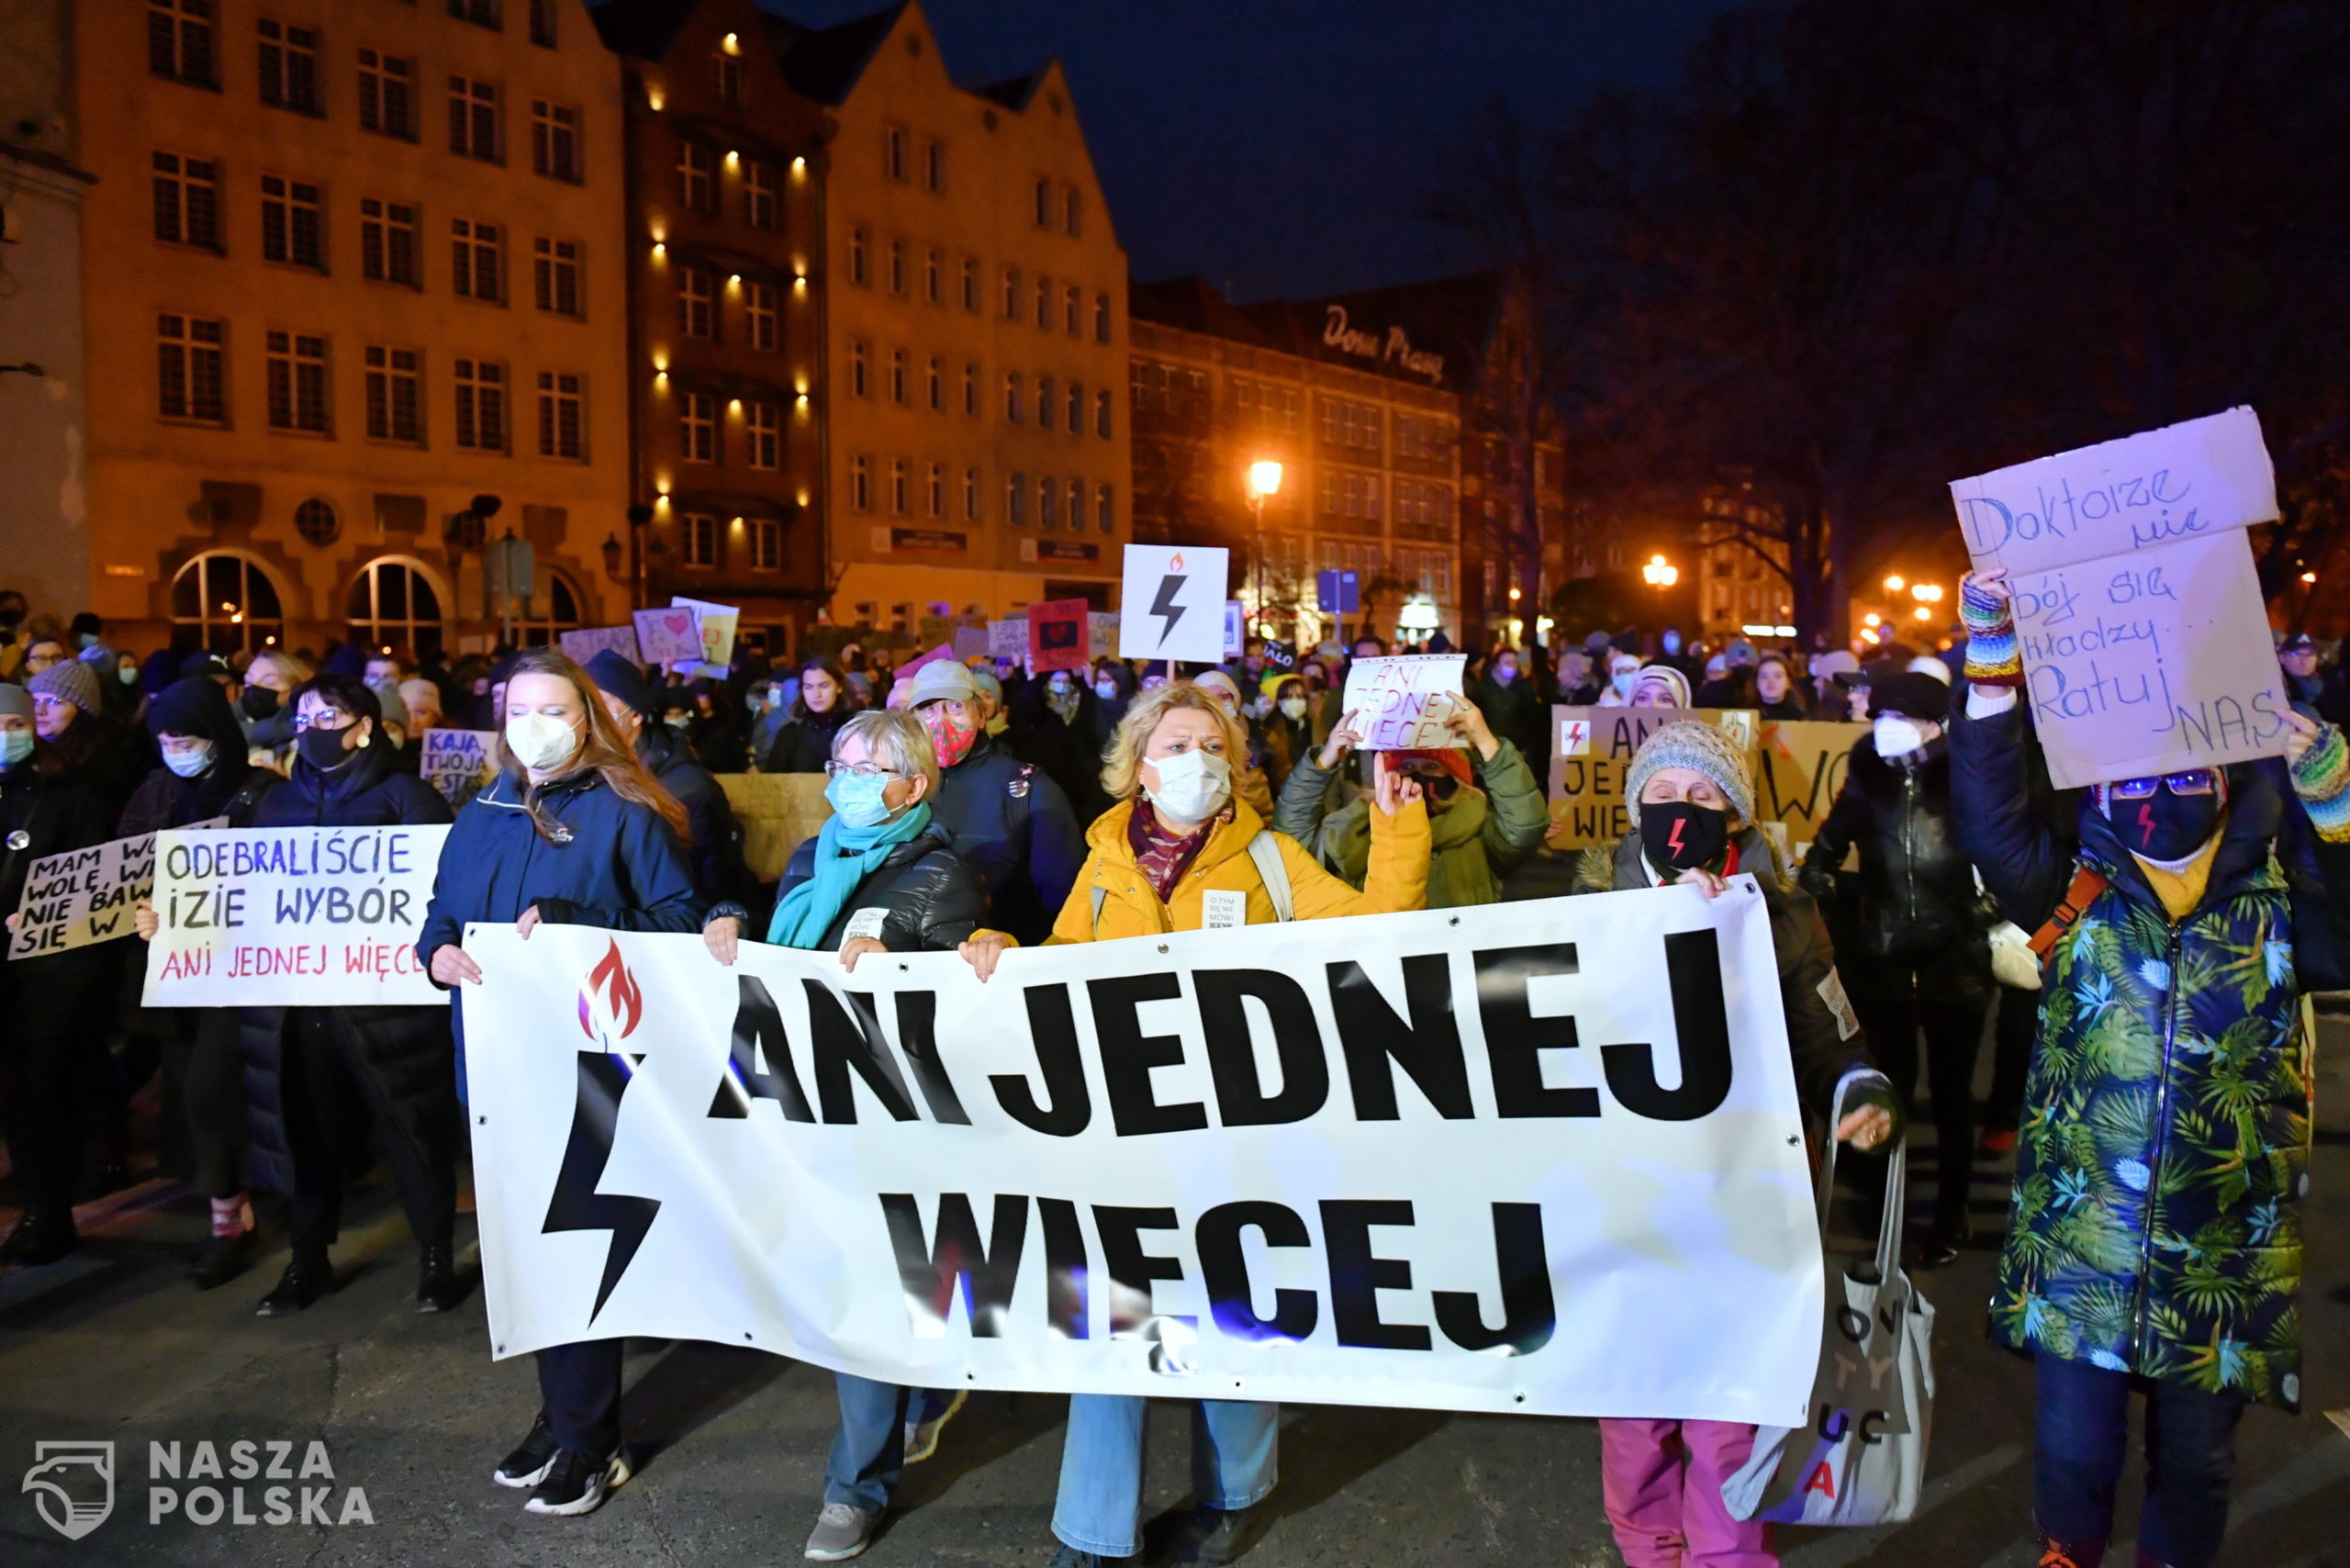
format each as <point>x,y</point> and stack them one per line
<point>1660,573</point>
<point>2308,577</point>
<point>1893,585</point>
<point>734,280</point>
<point>800,165</point>
<point>1924,613</point>
<point>1873,618</point>
<point>732,43</point>
<point>1513,595</point>
<point>1869,637</point>
<point>1264,478</point>
<point>653,97</point>
<point>735,405</point>
<point>1926,593</point>
<point>659,250</point>
<point>732,157</point>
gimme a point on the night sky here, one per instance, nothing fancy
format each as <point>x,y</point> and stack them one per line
<point>1285,147</point>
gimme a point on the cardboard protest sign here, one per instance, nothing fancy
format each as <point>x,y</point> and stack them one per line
<point>457,762</point>
<point>971,643</point>
<point>717,624</point>
<point>1008,639</point>
<point>668,636</point>
<point>1171,599</point>
<point>1058,633</point>
<point>775,811</point>
<point>292,917</point>
<point>1798,772</point>
<point>1592,748</point>
<point>83,896</point>
<point>1102,634</point>
<point>2138,610</point>
<point>582,646</point>
<point>1401,703</point>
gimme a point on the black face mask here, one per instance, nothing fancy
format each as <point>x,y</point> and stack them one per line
<point>322,749</point>
<point>2166,826</point>
<point>1681,835</point>
<point>259,701</point>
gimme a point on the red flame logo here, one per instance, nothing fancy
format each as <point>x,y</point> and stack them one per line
<point>623,1002</point>
<point>1175,562</point>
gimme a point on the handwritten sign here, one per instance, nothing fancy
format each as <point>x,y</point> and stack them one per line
<point>971,643</point>
<point>1591,751</point>
<point>1008,639</point>
<point>1059,635</point>
<point>2144,636</point>
<point>83,896</point>
<point>717,623</point>
<point>1798,772</point>
<point>775,811</point>
<point>668,636</point>
<point>1102,633</point>
<point>582,646</point>
<point>457,762</point>
<point>286,917</point>
<point>1401,703</point>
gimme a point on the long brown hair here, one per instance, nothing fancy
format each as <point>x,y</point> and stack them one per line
<point>606,749</point>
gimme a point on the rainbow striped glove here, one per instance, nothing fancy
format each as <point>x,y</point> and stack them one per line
<point>1992,656</point>
<point>2321,780</point>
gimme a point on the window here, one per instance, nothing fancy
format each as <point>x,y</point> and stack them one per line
<point>298,383</point>
<point>696,539</point>
<point>542,23</point>
<point>935,492</point>
<point>1011,294</point>
<point>554,276</point>
<point>758,194</point>
<point>695,178</point>
<point>1044,204</point>
<point>395,394</point>
<point>726,78</point>
<point>225,603</point>
<point>764,535</point>
<point>858,354</point>
<point>696,427</point>
<point>1101,318</point>
<point>1346,493</point>
<point>933,165</point>
<point>1045,303</point>
<point>187,201</point>
<point>179,40</point>
<point>387,241</point>
<point>289,67</point>
<point>857,247</point>
<point>1350,424</point>
<point>1071,209</point>
<point>760,314</point>
<point>1012,398</point>
<point>1048,502</point>
<point>392,605</point>
<point>554,140</point>
<point>192,384</point>
<point>481,406</point>
<point>697,316</point>
<point>293,230</point>
<point>934,277</point>
<point>897,498</point>
<point>1073,312</point>
<point>473,119</point>
<point>477,262</point>
<point>1101,414</point>
<point>971,285</point>
<point>316,522</point>
<point>1076,422</point>
<point>970,495</point>
<point>893,152</point>
<point>971,390</point>
<point>1044,402</point>
<point>1105,516</point>
<point>763,435</point>
<point>1015,499</point>
<point>860,483</point>
<point>897,266</point>
<point>936,382</point>
<point>1077,506</point>
<point>386,94</point>
<point>562,424</point>
<point>481,13</point>
<point>898,377</point>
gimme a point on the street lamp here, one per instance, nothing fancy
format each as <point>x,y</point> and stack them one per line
<point>1926,593</point>
<point>1264,481</point>
<point>1660,573</point>
<point>1893,585</point>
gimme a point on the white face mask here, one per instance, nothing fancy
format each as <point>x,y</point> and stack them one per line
<point>541,740</point>
<point>1192,787</point>
<point>1293,708</point>
<point>1622,681</point>
<point>188,764</point>
<point>1896,735</point>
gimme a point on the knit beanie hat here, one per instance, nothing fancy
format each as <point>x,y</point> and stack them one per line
<point>1690,745</point>
<point>14,702</point>
<point>387,697</point>
<point>72,680</point>
<point>621,677</point>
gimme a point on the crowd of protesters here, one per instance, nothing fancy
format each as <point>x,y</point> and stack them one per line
<point>2152,1084</point>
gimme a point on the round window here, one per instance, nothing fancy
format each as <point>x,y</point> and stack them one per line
<point>317,520</point>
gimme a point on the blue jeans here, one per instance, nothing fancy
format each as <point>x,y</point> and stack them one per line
<point>1099,1509</point>
<point>2082,1435</point>
<point>869,1449</point>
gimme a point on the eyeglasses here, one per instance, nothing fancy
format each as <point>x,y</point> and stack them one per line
<point>2194,782</point>
<point>324,719</point>
<point>860,770</point>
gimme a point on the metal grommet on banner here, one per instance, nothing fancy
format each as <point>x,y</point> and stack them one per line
<point>1454,920</point>
<point>481,1121</point>
<point>1519,1397</point>
<point>1162,946</point>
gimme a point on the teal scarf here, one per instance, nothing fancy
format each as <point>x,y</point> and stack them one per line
<point>845,858</point>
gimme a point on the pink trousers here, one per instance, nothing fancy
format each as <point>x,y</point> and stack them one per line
<point>1663,1480</point>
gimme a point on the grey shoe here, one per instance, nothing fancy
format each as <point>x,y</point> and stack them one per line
<point>1070,1557</point>
<point>842,1531</point>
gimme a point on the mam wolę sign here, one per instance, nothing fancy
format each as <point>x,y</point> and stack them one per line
<point>2144,636</point>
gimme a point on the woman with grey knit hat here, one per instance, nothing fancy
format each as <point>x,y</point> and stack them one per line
<point>1692,798</point>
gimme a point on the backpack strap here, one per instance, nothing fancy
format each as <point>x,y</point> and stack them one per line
<point>1265,851</point>
<point>2087,884</point>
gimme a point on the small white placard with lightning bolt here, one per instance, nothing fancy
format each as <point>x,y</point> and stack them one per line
<point>1174,603</point>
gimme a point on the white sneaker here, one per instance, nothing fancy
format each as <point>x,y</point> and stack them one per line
<point>922,1432</point>
<point>842,1531</point>
<point>575,1484</point>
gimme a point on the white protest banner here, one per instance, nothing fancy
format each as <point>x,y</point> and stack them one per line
<point>667,636</point>
<point>1420,1159</point>
<point>292,917</point>
<point>1008,639</point>
<point>581,646</point>
<point>1170,607</point>
<point>717,623</point>
<point>457,762</point>
<point>83,896</point>
<point>1399,703</point>
<point>2138,610</point>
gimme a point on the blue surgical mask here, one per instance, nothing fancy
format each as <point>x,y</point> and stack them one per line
<point>188,764</point>
<point>14,747</point>
<point>857,800</point>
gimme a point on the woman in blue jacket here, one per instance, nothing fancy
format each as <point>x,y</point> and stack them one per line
<point>572,832</point>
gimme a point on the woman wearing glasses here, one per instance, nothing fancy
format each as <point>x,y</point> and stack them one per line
<point>2154,1239</point>
<point>881,877</point>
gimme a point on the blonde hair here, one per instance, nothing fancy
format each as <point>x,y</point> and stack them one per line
<point>292,667</point>
<point>1122,759</point>
<point>896,739</point>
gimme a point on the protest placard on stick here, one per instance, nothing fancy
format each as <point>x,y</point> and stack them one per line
<point>716,624</point>
<point>1059,635</point>
<point>457,762</point>
<point>1008,639</point>
<point>1401,703</point>
<point>1171,596</point>
<point>668,636</point>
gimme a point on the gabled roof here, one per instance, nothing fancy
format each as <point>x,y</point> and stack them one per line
<point>826,62</point>
<point>1195,304</point>
<point>1014,91</point>
<point>641,29</point>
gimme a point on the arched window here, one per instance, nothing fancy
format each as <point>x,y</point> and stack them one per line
<point>392,605</point>
<point>561,607</point>
<point>225,603</point>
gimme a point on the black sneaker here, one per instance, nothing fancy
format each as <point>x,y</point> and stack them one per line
<point>219,1258</point>
<point>42,1235</point>
<point>577,1484</point>
<point>439,1287</point>
<point>529,1463</point>
<point>1215,1535</point>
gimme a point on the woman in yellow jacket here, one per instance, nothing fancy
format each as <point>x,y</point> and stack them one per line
<point>1174,855</point>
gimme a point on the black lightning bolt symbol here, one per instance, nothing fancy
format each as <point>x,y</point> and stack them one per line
<point>576,1206</point>
<point>1165,607</point>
